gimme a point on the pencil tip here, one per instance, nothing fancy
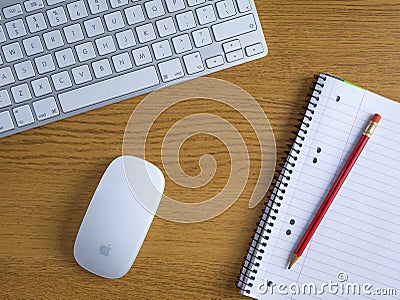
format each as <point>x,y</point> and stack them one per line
<point>293,260</point>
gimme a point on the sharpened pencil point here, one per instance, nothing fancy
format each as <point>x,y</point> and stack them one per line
<point>294,259</point>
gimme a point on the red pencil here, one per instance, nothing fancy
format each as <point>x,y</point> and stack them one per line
<point>369,130</point>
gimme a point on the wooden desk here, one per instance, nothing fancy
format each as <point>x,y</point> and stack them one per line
<point>48,175</point>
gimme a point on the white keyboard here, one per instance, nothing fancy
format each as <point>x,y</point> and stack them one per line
<point>59,58</point>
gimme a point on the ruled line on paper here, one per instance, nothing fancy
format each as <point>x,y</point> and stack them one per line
<point>310,182</point>
<point>337,170</point>
<point>348,188</point>
<point>369,150</point>
<point>322,270</point>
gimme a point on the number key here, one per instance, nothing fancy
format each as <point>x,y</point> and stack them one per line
<point>56,16</point>
<point>77,10</point>
<point>98,6</point>
<point>118,3</point>
<point>36,22</point>
<point>16,29</point>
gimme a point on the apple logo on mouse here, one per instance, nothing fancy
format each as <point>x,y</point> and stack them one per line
<point>105,250</point>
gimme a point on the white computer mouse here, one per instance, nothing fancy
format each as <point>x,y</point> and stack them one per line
<point>119,216</point>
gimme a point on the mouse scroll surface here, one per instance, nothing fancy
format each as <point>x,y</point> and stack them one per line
<point>118,217</point>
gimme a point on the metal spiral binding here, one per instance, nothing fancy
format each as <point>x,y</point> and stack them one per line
<point>259,241</point>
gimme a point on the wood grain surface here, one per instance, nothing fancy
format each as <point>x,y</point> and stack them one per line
<point>48,175</point>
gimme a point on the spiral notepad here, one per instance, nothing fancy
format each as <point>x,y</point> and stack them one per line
<point>357,245</point>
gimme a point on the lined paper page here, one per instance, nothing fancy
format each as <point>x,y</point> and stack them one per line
<point>360,235</point>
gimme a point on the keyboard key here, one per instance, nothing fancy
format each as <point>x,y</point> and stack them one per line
<point>254,49</point>
<point>134,15</point>
<point>226,9</point>
<point>81,74</point>
<point>162,49</point>
<point>41,87</point>
<point>97,6</point>
<point>234,27</point>
<point>45,109</point>
<point>202,37</point>
<point>23,115</point>
<point>244,5</point>
<point>52,2</point>
<point>206,14</point>
<point>118,3</point>
<point>105,45</point>
<point>231,46</point>
<point>186,21</point>
<point>16,29</point>
<point>196,2</point>
<point>21,93</point>
<point>33,45</point>
<point>122,62</point>
<point>65,58</point>
<point>108,89</point>
<point>102,68</point>
<point>114,21</point>
<point>94,27</point>
<point>4,99</point>
<point>61,81</point>
<point>36,22</point>
<point>45,64</point>
<point>53,39</point>
<point>77,10</point>
<point>182,43</point>
<point>146,33</point>
<point>171,70</point>
<point>12,52</point>
<point>57,16</point>
<point>154,9</point>
<point>6,122</point>
<point>214,62</point>
<point>193,63</point>
<point>73,33</point>
<point>2,35</point>
<point>125,39</point>
<point>6,76</point>
<point>234,56</point>
<point>174,5</point>
<point>85,51</point>
<point>142,56</point>
<point>24,70</point>
<point>12,11</point>
<point>32,5</point>
<point>166,27</point>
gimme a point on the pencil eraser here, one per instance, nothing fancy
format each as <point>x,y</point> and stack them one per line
<point>376,118</point>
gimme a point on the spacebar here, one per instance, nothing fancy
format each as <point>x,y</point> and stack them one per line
<point>108,89</point>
